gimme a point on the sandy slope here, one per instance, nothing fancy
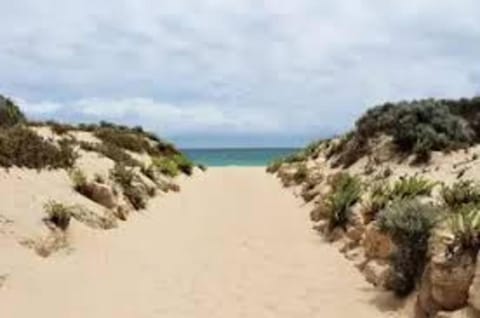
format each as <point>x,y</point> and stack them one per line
<point>232,244</point>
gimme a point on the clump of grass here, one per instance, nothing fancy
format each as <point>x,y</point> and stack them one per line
<point>111,151</point>
<point>409,224</point>
<point>378,198</point>
<point>123,139</point>
<point>125,177</point>
<point>202,167</point>
<point>411,187</point>
<point>465,226</point>
<point>274,166</point>
<point>166,166</point>
<point>346,191</point>
<point>22,147</point>
<point>80,182</point>
<point>58,214</point>
<point>10,114</point>
<point>183,163</point>
<point>461,193</point>
<point>301,174</point>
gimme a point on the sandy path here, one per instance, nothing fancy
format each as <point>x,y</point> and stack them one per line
<point>232,244</point>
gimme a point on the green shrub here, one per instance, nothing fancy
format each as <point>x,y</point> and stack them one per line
<point>60,129</point>
<point>202,167</point>
<point>409,224</point>
<point>58,214</point>
<point>10,114</point>
<point>183,163</point>
<point>125,177</point>
<point>461,193</point>
<point>274,166</point>
<point>123,139</point>
<point>22,147</point>
<point>378,198</point>
<point>300,174</point>
<point>411,187</point>
<point>112,152</point>
<point>465,226</point>
<point>166,166</point>
<point>346,191</point>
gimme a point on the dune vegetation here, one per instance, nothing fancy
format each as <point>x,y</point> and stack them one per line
<point>400,193</point>
<point>112,169</point>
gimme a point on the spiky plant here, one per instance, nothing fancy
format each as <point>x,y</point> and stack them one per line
<point>410,187</point>
<point>345,193</point>
<point>465,226</point>
<point>461,193</point>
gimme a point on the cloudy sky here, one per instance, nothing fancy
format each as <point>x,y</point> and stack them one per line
<point>234,72</point>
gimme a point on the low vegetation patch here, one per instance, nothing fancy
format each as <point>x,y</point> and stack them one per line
<point>22,147</point>
<point>58,214</point>
<point>465,226</point>
<point>346,191</point>
<point>301,174</point>
<point>461,193</point>
<point>125,177</point>
<point>409,224</point>
<point>411,187</point>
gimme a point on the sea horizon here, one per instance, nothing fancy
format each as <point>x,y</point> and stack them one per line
<point>237,156</point>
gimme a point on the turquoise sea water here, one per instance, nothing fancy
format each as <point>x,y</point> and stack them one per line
<point>237,157</point>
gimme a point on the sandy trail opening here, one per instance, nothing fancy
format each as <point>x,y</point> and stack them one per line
<point>232,244</point>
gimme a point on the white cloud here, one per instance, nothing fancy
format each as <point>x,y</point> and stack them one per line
<point>190,67</point>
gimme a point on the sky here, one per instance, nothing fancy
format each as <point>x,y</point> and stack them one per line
<point>216,73</point>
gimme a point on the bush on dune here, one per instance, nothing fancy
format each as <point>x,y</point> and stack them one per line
<point>10,114</point>
<point>125,177</point>
<point>58,214</point>
<point>410,187</point>
<point>409,224</point>
<point>465,225</point>
<point>461,193</point>
<point>346,191</point>
<point>22,147</point>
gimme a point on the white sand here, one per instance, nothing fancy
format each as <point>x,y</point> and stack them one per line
<point>232,244</point>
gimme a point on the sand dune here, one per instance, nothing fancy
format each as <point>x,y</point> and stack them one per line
<point>232,244</point>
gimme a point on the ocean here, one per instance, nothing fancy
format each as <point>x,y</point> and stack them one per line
<point>237,156</point>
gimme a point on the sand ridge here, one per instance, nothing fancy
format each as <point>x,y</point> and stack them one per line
<point>232,244</point>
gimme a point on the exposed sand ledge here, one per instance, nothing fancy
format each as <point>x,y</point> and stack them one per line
<point>233,243</point>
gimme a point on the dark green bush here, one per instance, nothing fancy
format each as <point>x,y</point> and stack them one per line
<point>123,139</point>
<point>22,147</point>
<point>10,114</point>
<point>409,224</point>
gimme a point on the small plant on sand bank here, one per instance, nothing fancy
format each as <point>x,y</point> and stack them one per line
<point>409,224</point>
<point>465,226</point>
<point>58,214</point>
<point>166,166</point>
<point>300,174</point>
<point>346,191</point>
<point>410,187</point>
<point>125,178</point>
<point>22,147</point>
<point>461,193</point>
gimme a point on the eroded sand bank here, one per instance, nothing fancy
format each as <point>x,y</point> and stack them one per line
<point>232,244</point>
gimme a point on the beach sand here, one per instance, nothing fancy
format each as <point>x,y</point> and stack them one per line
<point>233,243</point>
